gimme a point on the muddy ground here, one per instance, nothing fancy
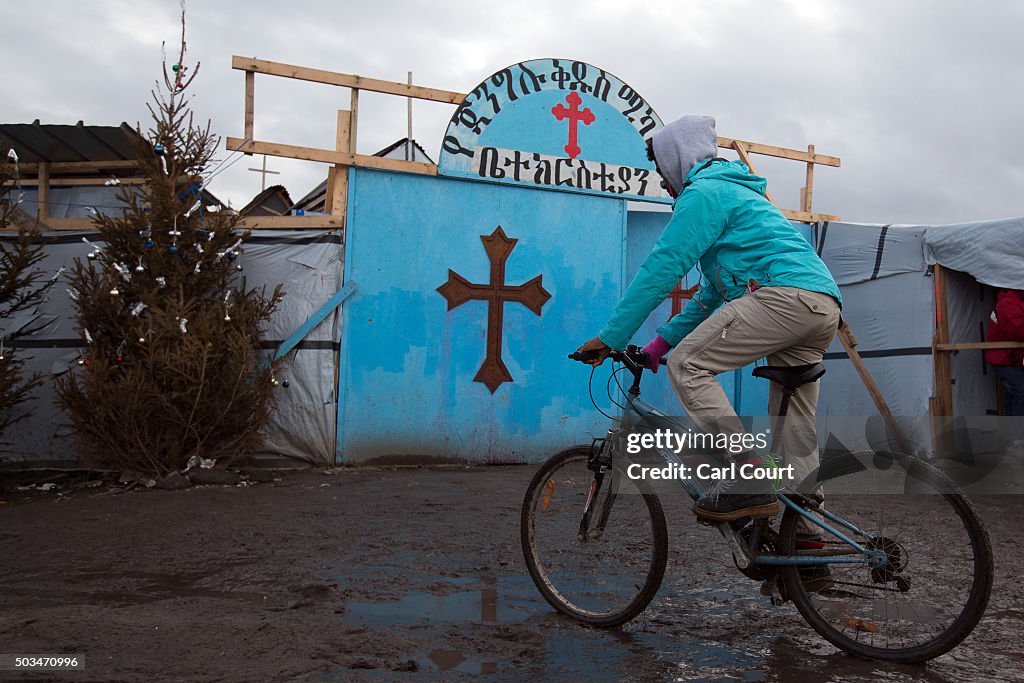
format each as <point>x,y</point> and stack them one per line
<point>401,574</point>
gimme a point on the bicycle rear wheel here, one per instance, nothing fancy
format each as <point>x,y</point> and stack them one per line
<point>935,583</point>
<point>603,570</point>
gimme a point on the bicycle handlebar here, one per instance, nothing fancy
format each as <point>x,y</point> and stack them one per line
<point>632,357</point>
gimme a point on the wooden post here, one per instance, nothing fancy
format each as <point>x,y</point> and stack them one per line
<point>808,191</point>
<point>941,402</point>
<point>849,343</point>
<point>336,199</point>
<point>354,108</point>
<point>408,139</point>
<point>741,150</point>
<point>43,194</point>
<point>250,99</point>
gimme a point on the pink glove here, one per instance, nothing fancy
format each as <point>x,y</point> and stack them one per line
<point>656,348</point>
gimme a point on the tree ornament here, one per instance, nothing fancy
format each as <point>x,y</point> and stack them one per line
<point>148,245</point>
<point>175,67</point>
<point>140,268</point>
<point>285,384</point>
<point>114,292</point>
<point>161,281</point>
<point>173,249</point>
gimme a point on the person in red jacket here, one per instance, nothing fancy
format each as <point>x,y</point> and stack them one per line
<point>1007,324</point>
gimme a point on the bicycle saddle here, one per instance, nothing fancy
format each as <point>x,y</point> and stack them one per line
<point>791,376</point>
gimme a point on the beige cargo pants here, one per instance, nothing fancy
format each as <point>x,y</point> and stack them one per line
<point>786,325</point>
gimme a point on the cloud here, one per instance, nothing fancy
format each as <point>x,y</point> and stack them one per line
<point>919,98</point>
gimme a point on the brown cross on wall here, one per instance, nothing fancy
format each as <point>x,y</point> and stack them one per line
<point>678,294</point>
<point>458,290</point>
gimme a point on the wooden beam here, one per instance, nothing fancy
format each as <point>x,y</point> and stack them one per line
<point>290,222</point>
<point>43,197</point>
<point>336,199</point>
<point>345,80</point>
<point>58,167</point>
<point>781,152</point>
<point>60,224</point>
<point>59,181</point>
<point>250,104</point>
<point>354,108</point>
<point>849,343</point>
<point>741,150</point>
<point>942,370</point>
<point>808,217</point>
<point>972,346</point>
<point>806,196</point>
<point>330,156</point>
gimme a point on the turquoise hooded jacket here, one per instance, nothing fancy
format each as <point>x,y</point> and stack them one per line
<point>723,221</point>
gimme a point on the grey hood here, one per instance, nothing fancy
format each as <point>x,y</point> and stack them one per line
<point>682,144</point>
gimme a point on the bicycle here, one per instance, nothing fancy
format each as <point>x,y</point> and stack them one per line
<point>595,539</point>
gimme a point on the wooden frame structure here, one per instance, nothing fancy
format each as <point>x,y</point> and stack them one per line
<point>343,155</point>
<point>940,404</point>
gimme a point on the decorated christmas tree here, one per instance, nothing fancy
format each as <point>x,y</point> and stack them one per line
<point>171,365</point>
<point>22,286</point>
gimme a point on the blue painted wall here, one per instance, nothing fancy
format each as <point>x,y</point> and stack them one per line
<point>407,363</point>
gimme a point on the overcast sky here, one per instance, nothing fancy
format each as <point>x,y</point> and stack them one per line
<point>921,99</point>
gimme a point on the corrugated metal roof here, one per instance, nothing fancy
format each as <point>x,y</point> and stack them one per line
<point>273,201</point>
<point>35,142</point>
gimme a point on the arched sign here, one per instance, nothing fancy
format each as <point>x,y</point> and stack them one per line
<point>557,124</point>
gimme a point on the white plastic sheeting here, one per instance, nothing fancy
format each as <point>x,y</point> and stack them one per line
<point>308,265</point>
<point>889,302</point>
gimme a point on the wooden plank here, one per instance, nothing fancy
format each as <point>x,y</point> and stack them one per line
<point>61,224</point>
<point>354,108</point>
<point>805,217</point>
<point>345,80</point>
<point>250,104</point>
<point>58,167</point>
<point>849,343</point>
<point>249,222</point>
<point>806,196</point>
<point>43,205</point>
<point>741,150</point>
<point>336,199</point>
<point>290,222</point>
<point>58,181</point>
<point>940,358</point>
<point>329,156</point>
<point>972,346</point>
<point>781,152</point>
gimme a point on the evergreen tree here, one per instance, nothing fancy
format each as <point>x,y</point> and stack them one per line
<point>172,366</point>
<point>21,287</point>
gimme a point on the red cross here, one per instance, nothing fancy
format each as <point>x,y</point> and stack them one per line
<point>574,115</point>
<point>678,294</point>
<point>458,291</point>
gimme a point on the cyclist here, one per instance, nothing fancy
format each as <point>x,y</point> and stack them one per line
<point>764,292</point>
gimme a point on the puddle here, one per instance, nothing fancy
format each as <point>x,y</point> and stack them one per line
<point>506,602</point>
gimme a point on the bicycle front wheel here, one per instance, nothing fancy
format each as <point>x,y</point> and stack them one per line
<point>601,563</point>
<point>935,582</point>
